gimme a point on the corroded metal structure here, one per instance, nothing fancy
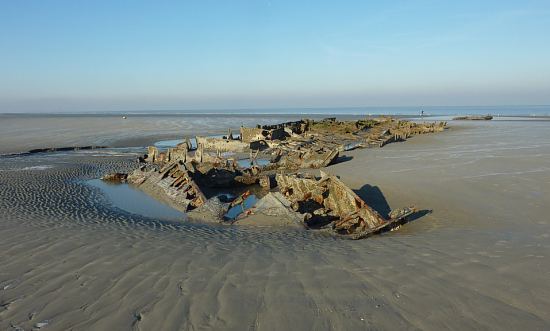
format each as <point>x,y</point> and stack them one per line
<point>191,179</point>
<point>330,204</point>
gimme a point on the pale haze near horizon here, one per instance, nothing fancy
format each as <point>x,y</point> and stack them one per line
<point>136,55</point>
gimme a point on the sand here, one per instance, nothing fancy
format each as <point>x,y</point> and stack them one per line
<point>479,260</point>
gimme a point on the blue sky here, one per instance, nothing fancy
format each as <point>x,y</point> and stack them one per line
<point>130,55</point>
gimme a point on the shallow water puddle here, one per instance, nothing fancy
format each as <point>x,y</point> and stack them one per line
<point>133,200</point>
<point>173,143</point>
<point>247,163</point>
<point>235,211</point>
<point>30,168</point>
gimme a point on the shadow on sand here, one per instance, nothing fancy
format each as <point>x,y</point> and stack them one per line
<point>374,197</point>
<point>342,158</point>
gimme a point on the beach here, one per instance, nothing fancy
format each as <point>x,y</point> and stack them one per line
<point>477,258</point>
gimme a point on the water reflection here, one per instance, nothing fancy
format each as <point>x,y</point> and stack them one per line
<point>132,200</point>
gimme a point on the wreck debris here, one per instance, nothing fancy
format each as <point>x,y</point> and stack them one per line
<point>259,166</point>
<point>267,181</point>
<point>116,177</point>
<point>249,135</point>
<point>152,154</point>
<point>294,145</point>
<point>474,118</point>
<point>330,204</point>
<point>222,145</point>
<point>57,149</point>
<point>273,132</point>
<point>306,155</point>
<point>172,182</point>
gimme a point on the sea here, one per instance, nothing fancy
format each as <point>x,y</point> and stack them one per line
<point>507,110</point>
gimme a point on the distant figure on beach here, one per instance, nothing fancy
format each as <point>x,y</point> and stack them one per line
<point>421,113</point>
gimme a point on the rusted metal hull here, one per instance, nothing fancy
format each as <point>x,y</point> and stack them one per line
<point>324,203</point>
<point>353,218</point>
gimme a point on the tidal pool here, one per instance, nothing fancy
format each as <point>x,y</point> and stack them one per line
<point>134,201</point>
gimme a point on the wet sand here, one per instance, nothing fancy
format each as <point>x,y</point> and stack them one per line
<point>480,260</point>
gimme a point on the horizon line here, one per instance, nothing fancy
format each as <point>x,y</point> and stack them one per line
<point>267,109</point>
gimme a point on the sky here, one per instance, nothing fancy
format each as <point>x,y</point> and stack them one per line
<point>205,54</point>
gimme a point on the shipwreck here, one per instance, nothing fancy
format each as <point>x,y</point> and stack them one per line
<point>209,180</point>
